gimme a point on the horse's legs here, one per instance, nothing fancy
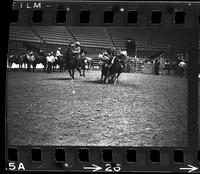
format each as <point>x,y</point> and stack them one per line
<point>79,71</point>
<point>112,77</point>
<point>20,66</point>
<point>53,67</point>
<point>72,73</point>
<point>69,70</point>
<point>116,78</point>
<point>90,65</point>
<point>28,67</point>
<point>101,76</point>
<point>33,67</point>
<point>107,76</point>
<point>9,65</point>
<point>105,79</point>
<point>44,68</point>
<point>83,71</point>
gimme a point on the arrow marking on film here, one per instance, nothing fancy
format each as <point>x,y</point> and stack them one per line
<point>94,168</point>
<point>190,168</point>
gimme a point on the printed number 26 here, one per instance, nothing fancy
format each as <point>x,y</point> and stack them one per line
<point>110,169</point>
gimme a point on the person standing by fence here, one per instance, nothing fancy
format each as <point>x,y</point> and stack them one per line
<point>181,68</point>
<point>50,59</point>
<point>157,65</point>
<point>167,68</point>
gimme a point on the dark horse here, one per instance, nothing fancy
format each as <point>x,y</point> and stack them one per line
<point>41,58</point>
<point>60,61</point>
<point>29,62</point>
<point>114,70</point>
<point>17,59</point>
<point>36,59</point>
<point>72,63</point>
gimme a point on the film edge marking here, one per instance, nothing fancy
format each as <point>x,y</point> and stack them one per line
<point>190,168</point>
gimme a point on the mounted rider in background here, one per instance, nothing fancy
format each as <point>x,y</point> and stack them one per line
<point>30,56</point>
<point>104,59</point>
<point>58,53</point>
<point>121,56</point>
<point>76,50</point>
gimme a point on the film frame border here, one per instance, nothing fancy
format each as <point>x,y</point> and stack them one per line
<point>190,152</point>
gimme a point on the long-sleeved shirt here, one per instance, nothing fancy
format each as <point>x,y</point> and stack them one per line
<point>182,64</point>
<point>58,53</point>
<point>76,50</point>
<point>50,58</point>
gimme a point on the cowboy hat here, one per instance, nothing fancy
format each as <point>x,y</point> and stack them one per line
<point>78,43</point>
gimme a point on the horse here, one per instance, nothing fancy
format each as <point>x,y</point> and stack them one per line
<point>29,60</point>
<point>114,70</point>
<point>41,59</point>
<point>34,60</point>
<point>72,63</point>
<point>60,61</point>
<point>17,59</point>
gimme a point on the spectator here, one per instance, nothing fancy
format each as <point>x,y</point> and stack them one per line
<point>157,64</point>
<point>58,53</point>
<point>50,59</point>
<point>167,68</point>
<point>181,67</point>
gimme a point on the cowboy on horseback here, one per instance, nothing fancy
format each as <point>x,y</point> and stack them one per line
<point>58,53</point>
<point>121,55</point>
<point>30,56</point>
<point>76,50</point>
<point>104,59</point>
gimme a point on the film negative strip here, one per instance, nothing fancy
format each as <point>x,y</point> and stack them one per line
<point>103,86</point>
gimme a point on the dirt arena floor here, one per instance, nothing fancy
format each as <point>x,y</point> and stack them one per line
<point>142,110</point>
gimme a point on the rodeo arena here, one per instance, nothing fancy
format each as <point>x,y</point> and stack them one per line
<point>97,85</point>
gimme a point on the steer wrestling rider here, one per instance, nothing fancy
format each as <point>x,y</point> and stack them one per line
<point>104,59</point>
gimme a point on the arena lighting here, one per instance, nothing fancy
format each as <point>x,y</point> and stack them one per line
<point>121,9</point>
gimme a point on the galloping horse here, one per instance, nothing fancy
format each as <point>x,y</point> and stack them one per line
<point>114,70</point>
<point>72,63</point>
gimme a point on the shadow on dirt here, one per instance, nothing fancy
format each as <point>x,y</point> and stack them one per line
<point>58,79</point>
<point>93,81</point>
<point>120,84</point>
